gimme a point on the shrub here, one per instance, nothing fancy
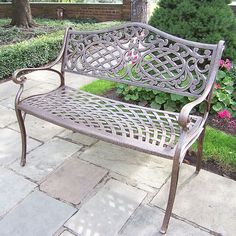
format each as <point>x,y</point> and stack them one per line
<point>41,50</point>
<point>206,21</point>
<point>224,95</point>
<point>32,53</point>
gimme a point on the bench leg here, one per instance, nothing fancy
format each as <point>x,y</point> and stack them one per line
<point>200,151</point>
<point>20,119</point>
<point>172,193</point>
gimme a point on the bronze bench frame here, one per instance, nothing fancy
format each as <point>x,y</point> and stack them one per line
<point>103,54</point>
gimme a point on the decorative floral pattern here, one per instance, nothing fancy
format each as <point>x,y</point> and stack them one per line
<point>141,55</point>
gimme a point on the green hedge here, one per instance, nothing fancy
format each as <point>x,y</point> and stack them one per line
<point>32,53</point>
<point>206,21</point>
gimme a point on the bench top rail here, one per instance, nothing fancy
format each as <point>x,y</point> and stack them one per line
<point>140,55</point>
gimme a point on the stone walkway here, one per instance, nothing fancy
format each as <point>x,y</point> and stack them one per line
<point>76,185</point>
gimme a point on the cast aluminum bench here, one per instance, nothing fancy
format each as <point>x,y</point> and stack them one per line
<point>134,54</point>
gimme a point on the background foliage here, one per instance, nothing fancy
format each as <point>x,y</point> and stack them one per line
<point>224,95</point>
<point>41,48</point>
<point>205,21</point>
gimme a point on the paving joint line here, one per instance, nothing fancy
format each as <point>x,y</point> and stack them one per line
<point>189,222</point>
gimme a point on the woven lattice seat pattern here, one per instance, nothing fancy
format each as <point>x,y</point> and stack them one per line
<point>134,126</point>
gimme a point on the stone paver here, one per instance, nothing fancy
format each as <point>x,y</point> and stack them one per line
<point>206,199</point>
<point>41,88</point>
<point>7,117</point>
<point>8,102</point>
<point>77,137</point>
<point>37,215</point>
<point>73,181</point>
<point>139,166</point>
<point>46,158</point>
<point>10,146</point>
<point>9,89</point>
<point>13,189</point>
<point>67,233</point>
<point>107,211</point>
<point>43,77</point>
<point>71,79</point>
<point>77,81</point>
<point>39,129</point>
<point>147,221</point>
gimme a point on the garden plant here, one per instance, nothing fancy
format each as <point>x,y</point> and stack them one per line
<point>206,21</point>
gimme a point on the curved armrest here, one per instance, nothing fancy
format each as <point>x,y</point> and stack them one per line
<point>17,76</point>
<point>184,113</point>
<point>20,79</point>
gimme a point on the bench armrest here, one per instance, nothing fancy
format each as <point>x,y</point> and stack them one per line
<point>18,76</point>
<point>185,111</point>
<point>206,95</point>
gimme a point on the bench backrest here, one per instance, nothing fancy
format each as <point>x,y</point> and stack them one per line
<point>140,55</point>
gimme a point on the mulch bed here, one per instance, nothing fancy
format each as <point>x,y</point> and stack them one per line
<point>213,121</point>
<point>209,165</point>
<point>222,124</point>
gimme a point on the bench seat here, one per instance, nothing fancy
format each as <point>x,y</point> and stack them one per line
<point>141,128</point>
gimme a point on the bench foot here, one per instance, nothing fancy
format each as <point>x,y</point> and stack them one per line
<point>172,193</point>
<point>20,119</point>
<point>162,231</point>
<point>200,151</point>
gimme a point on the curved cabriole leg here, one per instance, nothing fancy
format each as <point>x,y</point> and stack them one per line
<point>172,193</point>
<point>20,119</point>
<point>200,151</point>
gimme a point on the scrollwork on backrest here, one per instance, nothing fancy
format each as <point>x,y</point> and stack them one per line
<point>140,55</point>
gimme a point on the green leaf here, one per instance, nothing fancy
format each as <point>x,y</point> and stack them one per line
<point>170,106</point>
<point>160,99</point>
<point>221,96</point>
<point>155,105</point>
<point>202,107</point>
<point>127,97</point>
<point>228,81</point>
<point>156,92</point>
<point>176,97</point>
<point>134,97</point>
<point>217,107</point>
<point>233,103</point>
<point>221,74</point>
<point>229,89</point>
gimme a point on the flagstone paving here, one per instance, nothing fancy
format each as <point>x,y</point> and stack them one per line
<point>143,168</point>
<point>76,185</point>
<point>77,138</point>
<point>14,188</point>
<point>8,116</point>
<point>10,146</point>
<point>73,180</point>
<point>46,158</point>
<point>107,211</point>
<point>206,199</point>
<point>66,233</point>
<point>147,219</point>
<point>37,215</point>
<point>38,129</point>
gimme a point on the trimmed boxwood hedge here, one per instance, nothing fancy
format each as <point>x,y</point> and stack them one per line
<point>32,53</point>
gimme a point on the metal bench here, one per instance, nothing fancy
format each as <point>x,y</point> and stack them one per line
<point>139,55</point>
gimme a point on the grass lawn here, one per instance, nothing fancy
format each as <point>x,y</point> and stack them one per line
<point>99,87</point>
<point>218,146</point>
